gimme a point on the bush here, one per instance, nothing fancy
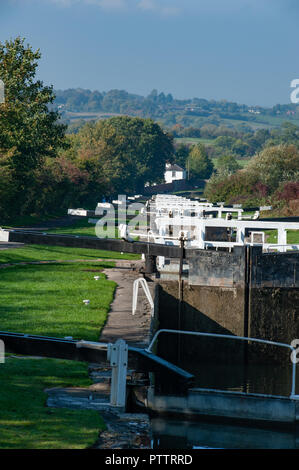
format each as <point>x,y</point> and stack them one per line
<point>239,188</point>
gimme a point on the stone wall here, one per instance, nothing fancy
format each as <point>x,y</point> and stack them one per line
<point>217,268</point>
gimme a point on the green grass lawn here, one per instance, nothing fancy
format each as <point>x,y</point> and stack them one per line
<point>292,236</point>
<point>25,421</point>
<point>42,252</point>
<point>194,140</point>
<point>243,162</point>
<point>47,299</point>
<point>58,253</point>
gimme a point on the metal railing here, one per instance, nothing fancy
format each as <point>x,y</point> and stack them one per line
<point>141,281</point>
<point>240,338</point>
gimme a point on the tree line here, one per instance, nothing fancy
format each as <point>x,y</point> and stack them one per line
<point>187,115</point>
<point>43,170</point>
<point>270,178</point>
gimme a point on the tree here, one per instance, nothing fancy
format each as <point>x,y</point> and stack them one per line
<point>181,155</point>
<point>274,165</point>
<point>29,131</point>
<point>26,124</point>
<point>227,165</point>
<point>199,164</point>
<point>122,153</point>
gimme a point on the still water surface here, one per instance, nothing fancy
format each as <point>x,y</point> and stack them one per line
<point>267,379</point>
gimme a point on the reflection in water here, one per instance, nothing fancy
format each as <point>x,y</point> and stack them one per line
<point>231,364</point>
<point>269,379</point>
<point>228,370</point>
<point>253,378</point>
<point>175,434</point>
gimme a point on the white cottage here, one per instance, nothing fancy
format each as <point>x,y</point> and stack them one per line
<point>174,172</point>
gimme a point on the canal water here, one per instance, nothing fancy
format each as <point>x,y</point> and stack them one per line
<point>269,379</point>
<point>185,434</point>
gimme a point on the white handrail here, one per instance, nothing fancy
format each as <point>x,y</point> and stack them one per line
<point>145,287</point>
<point>241,338</point>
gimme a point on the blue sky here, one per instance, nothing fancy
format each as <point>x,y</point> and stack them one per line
<point>240,50</point>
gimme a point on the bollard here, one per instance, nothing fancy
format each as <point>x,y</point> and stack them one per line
<point>150,264</point>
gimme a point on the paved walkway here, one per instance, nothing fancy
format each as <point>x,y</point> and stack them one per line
<point>7,245</point>
<point>121,324</point>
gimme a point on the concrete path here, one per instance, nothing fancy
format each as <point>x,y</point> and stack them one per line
<point>121,324</point>
<point>7,245</point>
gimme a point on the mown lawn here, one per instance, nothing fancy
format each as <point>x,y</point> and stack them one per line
<point>25,421</point>
<point>58,253</point>
<point>194,140</point>
<point>47,299</point>
<point>292,236</point>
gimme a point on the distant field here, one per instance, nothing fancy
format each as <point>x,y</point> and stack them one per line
<point>260,121</point>
<point>194,140</point>
<point>243,162</point>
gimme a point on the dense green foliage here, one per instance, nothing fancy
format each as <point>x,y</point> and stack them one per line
<point>199,164</point>
<point>271,177</point>
<point>227,165</point>
<point>29,132</point>
<point>42,170</point>
<point>120,154</point>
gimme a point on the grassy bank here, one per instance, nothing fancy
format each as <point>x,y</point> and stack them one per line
<point>58,253</point>
<point>47,299</point>
<point>25,421</point>
<point>292,236</point>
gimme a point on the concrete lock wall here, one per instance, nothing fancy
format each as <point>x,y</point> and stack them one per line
<point>245,293</point>
<point>205,309</point>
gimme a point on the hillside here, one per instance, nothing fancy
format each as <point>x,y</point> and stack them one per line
<point>79,104</point>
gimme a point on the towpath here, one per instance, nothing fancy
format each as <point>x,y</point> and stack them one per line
<point>121,324</point>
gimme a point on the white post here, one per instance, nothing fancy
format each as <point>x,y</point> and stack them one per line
<point>282,239</point>
<point>118,355</point>
<point>201,232</point>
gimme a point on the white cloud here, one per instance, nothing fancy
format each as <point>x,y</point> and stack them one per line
<point>160,7</point>
<point>146,5</point>
<point>154,6</point>
<point>108,4</point>
<point>105,4</point>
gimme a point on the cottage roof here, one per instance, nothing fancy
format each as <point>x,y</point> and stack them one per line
<point>173,167</point>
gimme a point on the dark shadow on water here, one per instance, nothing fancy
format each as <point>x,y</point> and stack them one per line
<point>171,433</point>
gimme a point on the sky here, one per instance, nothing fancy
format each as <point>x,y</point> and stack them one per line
<point>246,51</point>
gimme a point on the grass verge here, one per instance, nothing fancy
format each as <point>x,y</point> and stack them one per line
<point>25,421</point>
<point>47,300</point>
<point>57,253</point>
